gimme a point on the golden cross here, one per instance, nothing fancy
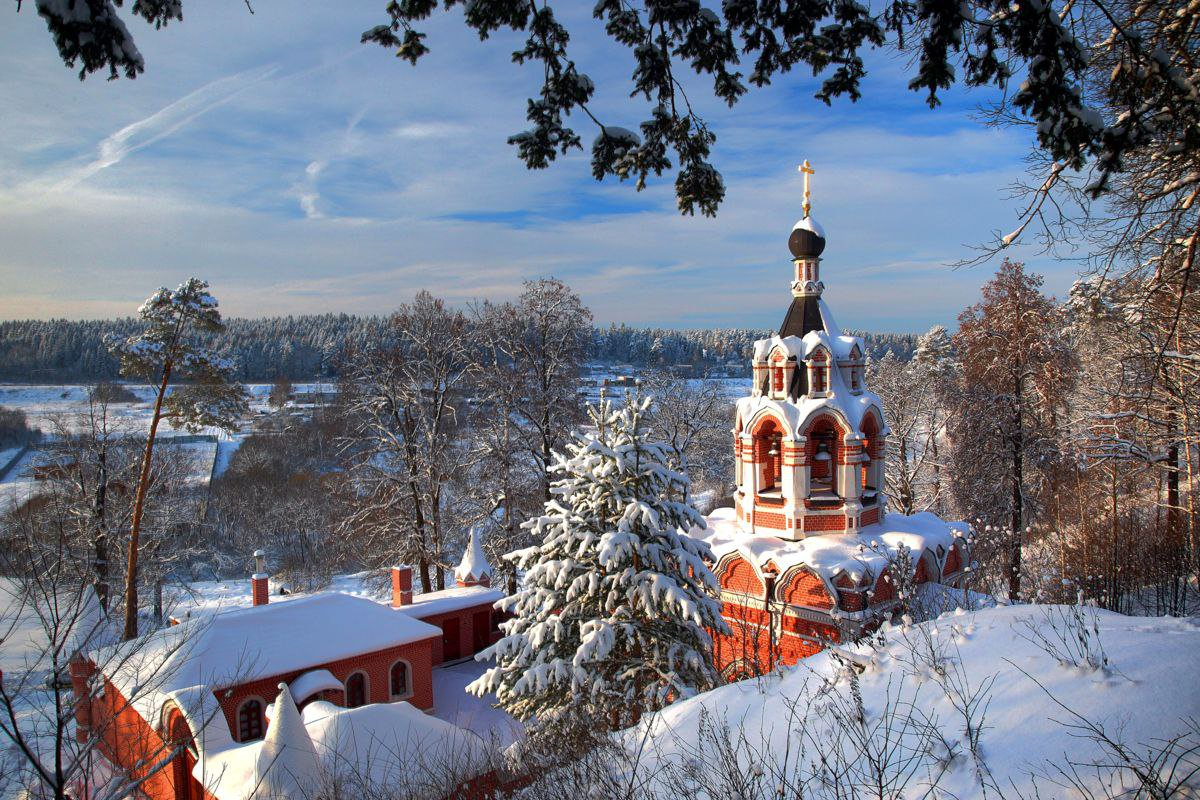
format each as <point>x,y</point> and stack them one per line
<point>806,170</point>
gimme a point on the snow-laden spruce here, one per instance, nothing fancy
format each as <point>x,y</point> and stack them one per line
<point>617,603</point>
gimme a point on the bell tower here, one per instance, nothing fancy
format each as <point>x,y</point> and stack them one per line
<point>809,437</point>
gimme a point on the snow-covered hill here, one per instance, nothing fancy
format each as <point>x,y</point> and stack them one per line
<point>970,703</point>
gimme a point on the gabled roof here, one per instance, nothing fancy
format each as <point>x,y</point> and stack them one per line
<point>234,647</point>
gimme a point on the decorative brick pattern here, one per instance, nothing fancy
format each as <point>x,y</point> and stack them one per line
<point>825,522</point>
<point>804,588</point>
<point>767,519</point>
<point>739,576</point>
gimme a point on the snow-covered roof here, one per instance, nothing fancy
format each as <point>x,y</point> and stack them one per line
<point>830,555</point>
<point>311,682</point>
<point>286,764</point>
<point>234,647</point>
<point>474,565</point>
<point>454,599</point>
<point>389,743</point>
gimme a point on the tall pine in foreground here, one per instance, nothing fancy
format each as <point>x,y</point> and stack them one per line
<point>617,601</point>
<point>193,389</point>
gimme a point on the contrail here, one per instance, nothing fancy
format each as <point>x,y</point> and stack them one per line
<point>165,121</point>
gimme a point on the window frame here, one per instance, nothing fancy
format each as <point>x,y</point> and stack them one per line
<point>262,718</point>
<point>366,688</point>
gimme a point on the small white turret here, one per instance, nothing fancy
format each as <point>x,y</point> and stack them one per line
<point>474,569</point>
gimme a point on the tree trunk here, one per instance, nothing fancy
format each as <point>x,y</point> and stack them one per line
<point>100,530</point>
<point>158,600</point>
<point>139,505</point>
<point>937,471</point>
<point>1018,496</point>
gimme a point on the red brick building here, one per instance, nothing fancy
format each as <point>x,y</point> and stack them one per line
<point>808,553</point>
<point>208,682</point>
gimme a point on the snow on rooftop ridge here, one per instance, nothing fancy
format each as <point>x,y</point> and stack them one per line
<point>445,601</point>
<point>830,555</point>
<point>309,683</point>
<point>474,566</point>
<point>286,766</point>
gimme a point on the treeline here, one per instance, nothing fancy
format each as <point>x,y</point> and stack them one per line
<point>315,346</point>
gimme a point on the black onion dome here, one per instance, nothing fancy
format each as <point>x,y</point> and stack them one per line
<point>807,239</point>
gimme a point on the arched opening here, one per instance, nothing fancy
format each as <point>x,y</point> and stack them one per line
<point>250,720</point>
<point>768,456</point>
<point>819,364</point>
<point>179,734</point>
<point>356,690</point>
<point>824,455</point>
<point>398,680</point>
<point>872,467</point>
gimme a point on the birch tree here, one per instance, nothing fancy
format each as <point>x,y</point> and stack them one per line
<point>406,402</point>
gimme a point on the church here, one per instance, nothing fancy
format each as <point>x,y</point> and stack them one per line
<point>808,555</point>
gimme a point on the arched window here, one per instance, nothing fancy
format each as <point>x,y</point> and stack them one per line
<point>250,720</point>
<point>398,680</point>
<point>356,690</point>
<point>768,455</point>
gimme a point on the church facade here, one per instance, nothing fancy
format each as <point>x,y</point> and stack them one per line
<point>809,555</point>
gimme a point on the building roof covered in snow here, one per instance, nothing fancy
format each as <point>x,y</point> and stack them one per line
<point>234,647</point>
<point>390,745</point>
<point>455,598</point>
<point>859,555</point>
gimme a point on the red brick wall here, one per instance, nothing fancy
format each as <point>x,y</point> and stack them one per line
<point>466,630</point>
<point>129,742</point>
<point>869,517</point>
<point>953,561</point>
<point>804,588</point>
<point>769,519</point>
<point>825,522</point>
<point>747,648</point>
<point>739,576</point>
<point>376,665</point>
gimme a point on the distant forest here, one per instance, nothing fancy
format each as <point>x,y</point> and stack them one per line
<point>311,347</point>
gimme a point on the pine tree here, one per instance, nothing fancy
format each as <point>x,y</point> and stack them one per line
<point>167,354</point>
<point>618,602</point>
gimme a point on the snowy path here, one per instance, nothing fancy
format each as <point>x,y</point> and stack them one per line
<point>476,714</point>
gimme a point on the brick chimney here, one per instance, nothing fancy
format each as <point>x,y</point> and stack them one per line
<point>259,589</point>
<point>401,586</point>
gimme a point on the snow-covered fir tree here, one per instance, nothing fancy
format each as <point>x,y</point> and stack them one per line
<point>617,602</point>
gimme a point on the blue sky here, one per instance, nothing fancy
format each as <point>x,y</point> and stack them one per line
<point>299,171</point>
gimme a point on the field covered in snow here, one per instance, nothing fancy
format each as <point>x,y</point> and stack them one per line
<point>972,703</point>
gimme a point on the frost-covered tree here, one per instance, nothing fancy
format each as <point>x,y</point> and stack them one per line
<point>694,417</point>
<point>193,389</point>
<point>405,401</point>
<point>1017,372</point>
<point>617,605</point>
<point>936,367</point>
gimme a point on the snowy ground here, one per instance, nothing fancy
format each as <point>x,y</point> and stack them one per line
<point>476,714</point>
<point>51,408</point>
<point>1025,699</point>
